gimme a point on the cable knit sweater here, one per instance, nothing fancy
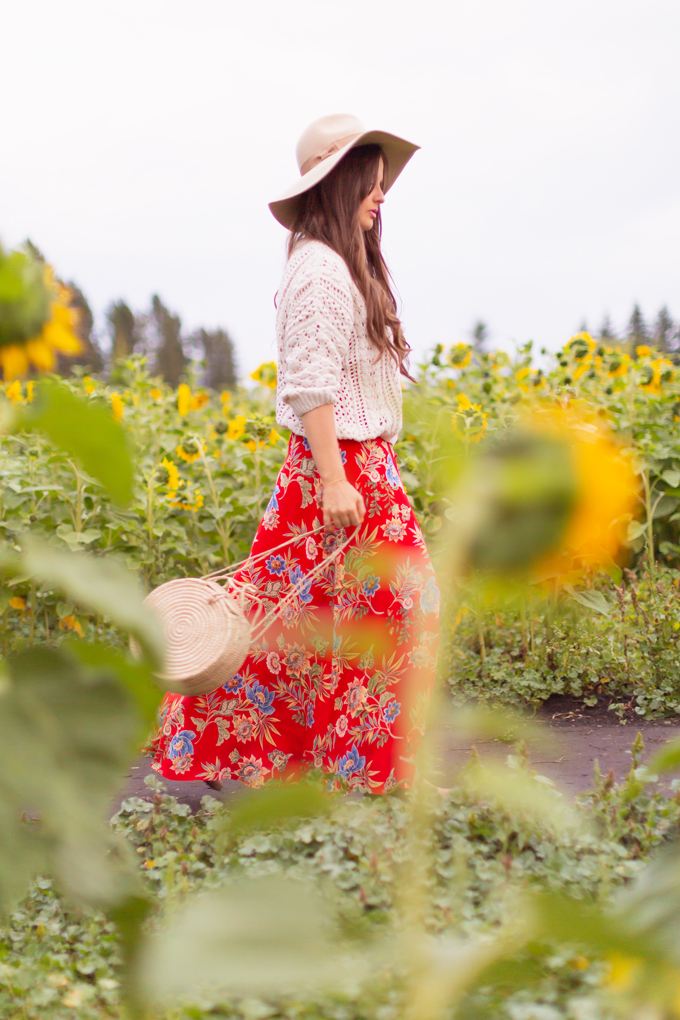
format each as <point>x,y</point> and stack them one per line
<point>325,356</point>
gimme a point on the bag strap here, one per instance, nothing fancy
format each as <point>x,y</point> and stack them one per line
<point>226,572</point>
<point>245,589</point>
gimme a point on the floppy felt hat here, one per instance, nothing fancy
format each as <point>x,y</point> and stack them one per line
<point>321,148</point>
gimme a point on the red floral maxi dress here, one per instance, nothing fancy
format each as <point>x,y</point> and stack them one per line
<point>341,682</point>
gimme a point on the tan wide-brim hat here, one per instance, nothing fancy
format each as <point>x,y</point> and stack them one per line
<point>321,148</point>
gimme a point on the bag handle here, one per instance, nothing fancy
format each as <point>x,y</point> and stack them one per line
<point>243,589</point>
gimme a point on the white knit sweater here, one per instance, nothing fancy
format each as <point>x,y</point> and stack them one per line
<point>325,356</point>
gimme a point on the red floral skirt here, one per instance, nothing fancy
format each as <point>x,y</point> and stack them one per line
<point>341,681</point>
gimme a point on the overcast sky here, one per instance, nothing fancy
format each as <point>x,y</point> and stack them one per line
<point>142,139</point>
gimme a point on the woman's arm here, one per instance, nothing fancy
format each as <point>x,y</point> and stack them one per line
<point>342,504</point>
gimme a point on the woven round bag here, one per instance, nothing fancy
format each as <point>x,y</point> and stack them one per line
<point>207,634</point>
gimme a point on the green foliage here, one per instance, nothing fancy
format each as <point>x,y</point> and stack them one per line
<point>615,644</point>
<point>85,430</point>
<point>24,297</point>
<point>482,858</point>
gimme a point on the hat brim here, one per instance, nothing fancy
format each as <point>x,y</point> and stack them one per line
<point>397,150</point>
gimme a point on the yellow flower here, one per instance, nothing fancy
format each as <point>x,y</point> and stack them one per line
<point>617,365</point>
<point>273,437</point>
<point>188,450</point>
<point>237,427</point>
<point>522,373</point>
<point>13,392</point>
<point>180,504</point>
<point>460,355</point>
<point>606,491</point>
<point>183,399</point>
<point>30,386</point>
<point>173,482</point>
<point>643,351</point>
<point>88,384</point>
<point>155,393</point>
<point>225,400</point>
<point>623,971</point>
<point>56,334</point>
<point>70,623</point>
<point>584,367</point>
<point>266,374</point>
<point>117,405</point>
<point>18,602</point>
<point>199,400</point>
<point>471,418</point>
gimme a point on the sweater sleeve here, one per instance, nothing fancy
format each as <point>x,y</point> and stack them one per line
<point>317,333</point>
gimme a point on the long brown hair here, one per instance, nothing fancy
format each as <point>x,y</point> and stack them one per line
<point>329,212</point>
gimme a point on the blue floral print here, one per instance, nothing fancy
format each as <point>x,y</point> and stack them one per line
<point>181,744</point>
<point>261,698</point>
<point>301,583</point>
<point>351,762</point>
<point>392,710</point>
<point>371,584</point>
<point>429,600</point>
<point>276,565</point>
<point>391,474</point>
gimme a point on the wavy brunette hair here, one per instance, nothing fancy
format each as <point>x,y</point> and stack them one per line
<point>329,212</point>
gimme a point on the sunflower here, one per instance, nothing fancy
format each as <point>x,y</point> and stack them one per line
<point>36,318</point>
<point>188,450</point>
<point>460,355</point>
<point>117,405</point>
<point>266,374</point>
<point>171,480</point>
<point>182,504</point>
<point>237,427</point>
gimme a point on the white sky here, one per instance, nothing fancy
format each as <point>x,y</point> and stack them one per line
<point>141,141</point>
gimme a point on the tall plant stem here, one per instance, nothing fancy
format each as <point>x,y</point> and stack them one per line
<point>650,508</point>
<point>223,527</point>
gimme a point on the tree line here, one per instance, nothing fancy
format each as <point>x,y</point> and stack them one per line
<point>663,333</point>
<point>156,334</point>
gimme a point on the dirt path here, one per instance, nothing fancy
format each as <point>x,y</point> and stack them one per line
<point>572,738</point>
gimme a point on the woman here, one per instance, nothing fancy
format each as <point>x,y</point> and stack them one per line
<point>341,681</point>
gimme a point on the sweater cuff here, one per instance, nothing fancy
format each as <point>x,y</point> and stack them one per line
<point>306,401</point>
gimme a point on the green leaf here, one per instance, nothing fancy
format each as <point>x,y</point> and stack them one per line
<point>258,935</point>
<point>672,478</point>
<point>85,430</point>
<point>594,600</point>
<point>635,530</point>
<point>665,506</point>
<point>69,736</point>
<point>137,677</point>
<point>667,758</point>
<point>101,585</point>
<point>274,805</point>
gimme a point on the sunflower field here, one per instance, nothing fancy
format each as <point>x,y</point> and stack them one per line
<point>206,462</point>
<point>550,497</point>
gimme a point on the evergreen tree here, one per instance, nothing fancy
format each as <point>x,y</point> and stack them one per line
<point>170,356</point>
<point>480,335</point>
<point>90,357</point>
<point>637,329</point>
<point>125,330</point>
<point>219,359</point>
<point>665,333</point>
<point>607,330</point>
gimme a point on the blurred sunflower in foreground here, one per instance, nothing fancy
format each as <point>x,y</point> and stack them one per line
<point>550,502</point>
<point>36,318</point>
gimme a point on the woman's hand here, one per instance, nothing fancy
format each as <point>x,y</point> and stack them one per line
<point>343,506</point>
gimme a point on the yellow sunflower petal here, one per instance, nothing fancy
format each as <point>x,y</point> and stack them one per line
<point>14,361</point>
<point>41,354</point>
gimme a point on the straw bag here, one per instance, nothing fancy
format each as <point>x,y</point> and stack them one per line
<point>207,632</point>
